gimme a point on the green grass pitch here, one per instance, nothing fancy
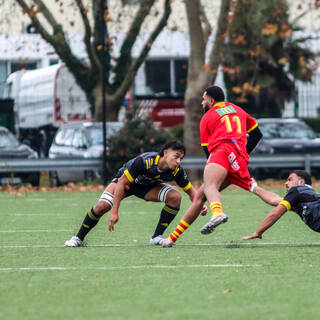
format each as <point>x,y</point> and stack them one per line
<point>120,276</point>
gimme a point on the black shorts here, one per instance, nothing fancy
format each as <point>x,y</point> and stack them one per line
<point>136,189</point>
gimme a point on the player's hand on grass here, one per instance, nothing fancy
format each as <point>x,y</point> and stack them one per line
<point>253,236</point>
<point>204,210</point>
<point>113,219</point>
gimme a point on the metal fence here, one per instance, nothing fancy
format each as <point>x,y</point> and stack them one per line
<point>296,161</point>
<point>32,165</point>
<point>307,162</point>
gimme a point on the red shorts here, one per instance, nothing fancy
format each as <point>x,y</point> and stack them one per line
<point>228,156</point>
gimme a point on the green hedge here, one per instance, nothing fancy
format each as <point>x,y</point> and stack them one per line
<point>137,136</point>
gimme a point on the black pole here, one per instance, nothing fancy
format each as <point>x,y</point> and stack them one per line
<point>103,92</point>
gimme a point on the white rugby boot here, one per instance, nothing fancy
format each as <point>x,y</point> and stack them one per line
<point>74,242</point>
<point>213,223</point>
<point>156,241</point>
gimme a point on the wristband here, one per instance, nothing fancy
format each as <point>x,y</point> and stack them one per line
<point>253,185</point>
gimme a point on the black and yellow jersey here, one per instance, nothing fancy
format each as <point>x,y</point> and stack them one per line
<point>304,201</point>
<point>144,170</point>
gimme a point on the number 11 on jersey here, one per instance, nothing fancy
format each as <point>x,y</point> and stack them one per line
<point>227,122</point>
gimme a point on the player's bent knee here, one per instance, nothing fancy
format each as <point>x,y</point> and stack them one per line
<point>173,198</point>
<point>101,208</point>
<point>169,194</point>
<point>104,204</point>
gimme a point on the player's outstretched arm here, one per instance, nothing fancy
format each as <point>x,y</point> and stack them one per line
<point>268,197</point>
<point>268,221</point>
<point>118,196</point>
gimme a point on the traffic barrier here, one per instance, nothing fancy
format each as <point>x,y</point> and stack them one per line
<point>307,162</point>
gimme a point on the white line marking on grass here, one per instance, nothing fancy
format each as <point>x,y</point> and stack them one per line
<point>27,231</point>
<point>62,246</point>
<point>128,245</point>
<point>129,267</point>
<point>230,245</point>
<point>38,215</point>
<point>43,199</point>
<point>66,215</point>
<point>135,213</point>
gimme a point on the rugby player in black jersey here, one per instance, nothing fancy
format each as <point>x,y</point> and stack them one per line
<point>145,177</point>
<point>300,198</point>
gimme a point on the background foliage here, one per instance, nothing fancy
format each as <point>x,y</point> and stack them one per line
<point>264,56</point>
<point>137,136</point>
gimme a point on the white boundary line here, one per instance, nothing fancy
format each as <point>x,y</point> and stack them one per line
<point>66,215</point>
<point>128,245</point>
<point>38,215</point>
<point>129,267</point>
<point>27,231</point>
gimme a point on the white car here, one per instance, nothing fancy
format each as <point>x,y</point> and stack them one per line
<point>79,140</point>
<point>11,148</point>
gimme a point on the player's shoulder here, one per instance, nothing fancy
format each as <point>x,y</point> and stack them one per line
<point>296,190</point>
<point>149,159</point>
<point>304,188</point>
<point>148,155</point>
<point>236,107</point>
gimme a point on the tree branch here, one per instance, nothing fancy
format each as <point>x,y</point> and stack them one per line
<point>57,40</point>
<point>95,64</point>
<point>83,75</point>
<point>216,55</point>
<point>208,27</point>
<point>135,65</point>
<point>101,28</point>
<point>125,58</point>
<point>30,11</point>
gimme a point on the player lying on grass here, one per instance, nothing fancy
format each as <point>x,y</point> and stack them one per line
<point>143,177</point>
<point>300,198</point>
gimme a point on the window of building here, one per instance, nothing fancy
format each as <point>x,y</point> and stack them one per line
<point>158,76</point>
<point>16,66</point>
<point>130,2</point>
<point>181,73</point>
<point>53,61</point>
<point>165,76</point>
<point>3,76</point>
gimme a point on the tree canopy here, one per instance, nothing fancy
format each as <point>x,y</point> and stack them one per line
<point>264,55</point>
<point>96,18</point>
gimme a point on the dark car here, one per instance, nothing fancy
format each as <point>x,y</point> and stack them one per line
<point>11,148</point>
<point>285,136</point>
<point>79,140</point>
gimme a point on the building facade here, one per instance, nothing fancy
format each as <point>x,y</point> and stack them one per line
<point>165,70</point>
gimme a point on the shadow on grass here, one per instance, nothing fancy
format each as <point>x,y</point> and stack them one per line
<point>238,245</point>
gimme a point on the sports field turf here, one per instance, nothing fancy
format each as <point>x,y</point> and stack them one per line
<point>120,276</point>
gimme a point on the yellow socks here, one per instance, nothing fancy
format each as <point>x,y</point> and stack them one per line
<point>181,227</point>
<point>216,208</point>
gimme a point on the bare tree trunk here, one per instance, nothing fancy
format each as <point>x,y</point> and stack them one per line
<point>200,75</point>
<point>112,105</point>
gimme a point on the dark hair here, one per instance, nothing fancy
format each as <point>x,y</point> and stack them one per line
<point>216,93</point>
<point>174,145</point>
<point>302,174</point>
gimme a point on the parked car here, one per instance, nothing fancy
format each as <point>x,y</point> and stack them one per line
<point>79,140</point>
<point>284,136</point>
<point>11,148</point>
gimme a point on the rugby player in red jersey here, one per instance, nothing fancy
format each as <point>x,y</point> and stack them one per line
<point>223,134</point>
